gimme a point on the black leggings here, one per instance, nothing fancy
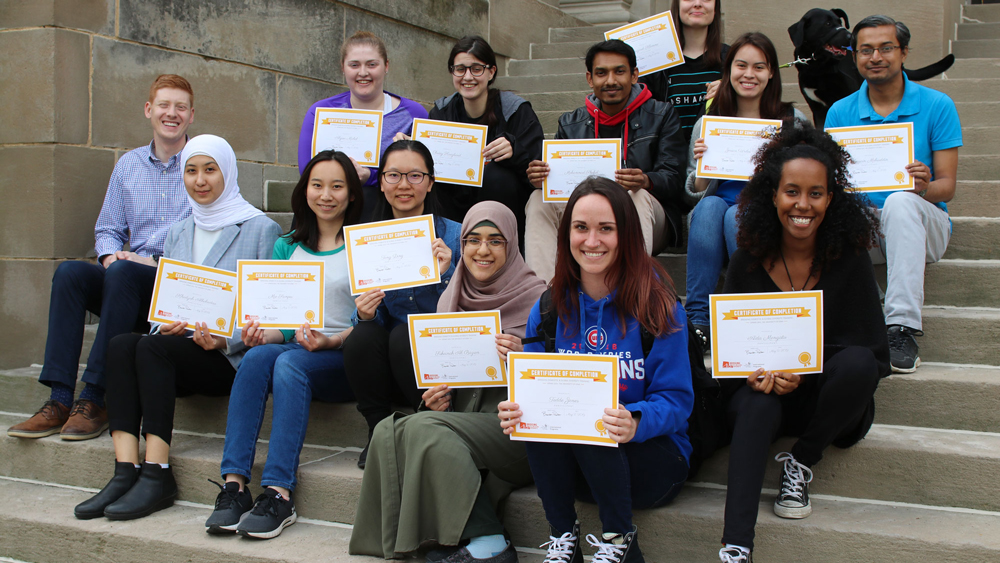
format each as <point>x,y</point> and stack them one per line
<point>834,407</point>
<point>380,370</point>
<point>146,374</point>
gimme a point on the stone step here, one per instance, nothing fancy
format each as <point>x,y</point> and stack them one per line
<point>976,199</point>
<point>974,238</point>
<point>977,167</point>
<point>591,33</point>
<point>557,101</point>
<point>574,81</point>
<point>278,195</point>
<point>549,120</point>
<point>546,67</point>
<point>965,89</point>
<point>984,13</point>
<point>942,396</point>
<point>976,49</point>
<point>974,68</point>
<point>979,113</point>
<point>564,50</point>
<point>961,335</point>
<point>283,219</point>
<point>973,31</point>
<point>980,140</point>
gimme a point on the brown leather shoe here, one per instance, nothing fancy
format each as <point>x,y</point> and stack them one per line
<point>46,422</point>
<point>86,421</point>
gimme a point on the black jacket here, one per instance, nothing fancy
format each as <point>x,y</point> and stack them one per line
<point>655,145</point>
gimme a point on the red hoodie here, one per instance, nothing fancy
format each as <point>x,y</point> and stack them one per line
<point>601,118</point>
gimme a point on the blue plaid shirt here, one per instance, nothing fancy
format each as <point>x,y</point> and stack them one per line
<point>145,197</point>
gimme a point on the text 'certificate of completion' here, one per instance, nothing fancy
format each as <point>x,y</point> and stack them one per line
<point>456,348</point>
<point>880,154</point>
<point>654,40</point>
<point>457,149</point>
<point>281,293</point>
<point>355,132</point>
<point>194,294</point>
<point>773,331</point>
<point>573,161</point>
<point>731,143</point>
<point>391,254</point>
<point>563,396</point>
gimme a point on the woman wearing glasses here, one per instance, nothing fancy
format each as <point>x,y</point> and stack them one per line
<point>450,458</point>
<point>377,355</point>
<point>514,138</point>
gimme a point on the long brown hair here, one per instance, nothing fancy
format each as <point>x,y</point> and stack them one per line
<point>713,42</point>
<point>643,289</point>
<point>771,106</point>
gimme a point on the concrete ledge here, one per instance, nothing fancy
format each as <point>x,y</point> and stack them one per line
<point>961,335</point>
<point>941,396</point>
<point>90,15</point>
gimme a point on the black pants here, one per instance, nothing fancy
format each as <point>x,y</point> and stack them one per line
<point>834,407</point>
<point>146,374</point>
<point>380,370</point>
<point>499,184</point>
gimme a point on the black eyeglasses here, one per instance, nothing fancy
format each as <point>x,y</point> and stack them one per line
<point>884,49</point>
<point>476,69</point>
<point>414,177</point>
<point>478,242</point>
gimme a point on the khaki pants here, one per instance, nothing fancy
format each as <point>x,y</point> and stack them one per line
<point>542,225</point>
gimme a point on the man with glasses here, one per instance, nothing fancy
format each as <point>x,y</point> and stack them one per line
<point>655,155</point>
<point>915,223</point>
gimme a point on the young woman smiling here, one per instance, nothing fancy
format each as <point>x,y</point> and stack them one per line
<point>752,88</point>
<point>146,373</point>
<point>365,64</point>
<point>464,460</point>
<point>377,355</point>
<point>294,367</point>
<point>607,291</point>
<point>800,229</point>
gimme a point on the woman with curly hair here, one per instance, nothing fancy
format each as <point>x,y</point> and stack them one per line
<point>801,229</point>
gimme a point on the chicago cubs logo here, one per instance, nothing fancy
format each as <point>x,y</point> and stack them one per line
<point>596,338</point>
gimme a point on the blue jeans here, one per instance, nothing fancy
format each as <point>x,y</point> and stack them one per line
<point>294,376</point>
<point>634,475</point>
<point>120,295</point>
<point>711,241</point>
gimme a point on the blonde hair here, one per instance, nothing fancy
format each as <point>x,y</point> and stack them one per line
<point>364,38</point>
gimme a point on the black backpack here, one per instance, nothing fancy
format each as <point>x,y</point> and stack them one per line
<point>707,426</point>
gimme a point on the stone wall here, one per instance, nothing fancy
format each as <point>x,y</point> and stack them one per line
<point>75,73</point>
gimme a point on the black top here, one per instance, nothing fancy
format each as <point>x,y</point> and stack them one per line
<point>684,87</point>
<point>852,312</point>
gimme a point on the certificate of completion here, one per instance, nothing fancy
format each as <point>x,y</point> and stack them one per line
<point>654,40</point>
<point>563,396</point>
<point>456,348</point>
<point>731,143</point>
<point>880,154</point>
<point>391,254</point>
<point>281,293</point>
<point>194,294</point>
<point>457,149</point>
<point>355,132</point>
<point>573,161</point>
<point>773,331</point>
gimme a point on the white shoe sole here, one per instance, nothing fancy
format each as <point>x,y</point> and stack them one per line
<point>916,364</point>
<point>273,533</point>
<point>792,513</point>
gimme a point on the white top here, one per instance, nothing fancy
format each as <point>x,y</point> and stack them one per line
<point>203,243</point>
<point>338,304</point>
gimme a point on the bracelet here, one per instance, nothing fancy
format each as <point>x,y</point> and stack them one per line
<point>341,345</point>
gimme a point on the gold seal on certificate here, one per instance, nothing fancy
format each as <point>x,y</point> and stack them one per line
<point>563,396</point>
<point>457,149</point>
<point>879,153</point>
<point>280,293</point>
<point>572,161</point>
<point>391,254</point>
<point>654,40</point>
<point>771,331</point>
<point>194,294</point>
<point>354,132</point>
<point>731,143</point>
<point>458,349</point>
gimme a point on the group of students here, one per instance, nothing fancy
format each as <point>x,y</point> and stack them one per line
<point>442,474</point>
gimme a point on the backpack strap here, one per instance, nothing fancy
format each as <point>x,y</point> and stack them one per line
<point>546,330</point>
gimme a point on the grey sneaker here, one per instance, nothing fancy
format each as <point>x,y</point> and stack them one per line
<point>735,555</point>
<point>793,497</point>
<point>230,507</point>
<point>904,354</point>
<point>270,515</point>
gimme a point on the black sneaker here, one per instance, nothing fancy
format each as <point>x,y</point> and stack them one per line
<point>616,548</point>
<point>564,548</point>
<point>903,350</point>
<point>793,496</point>
<point>735,555</point>
<point>270,515</point>
<point>230,507</point>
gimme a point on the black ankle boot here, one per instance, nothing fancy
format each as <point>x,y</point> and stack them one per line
<point>125,476</point>
<point>155,490</point>
<point>363,458</point>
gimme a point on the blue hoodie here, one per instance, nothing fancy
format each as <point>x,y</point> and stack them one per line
<point>658,386</point>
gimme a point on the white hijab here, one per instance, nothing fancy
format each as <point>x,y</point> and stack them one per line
<point>230,208</point>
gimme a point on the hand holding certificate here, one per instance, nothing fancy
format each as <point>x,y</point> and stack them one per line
<point>355,132</point>
<point>654,40</point>
<point>281,293</point>
<point>457,349</point>
<point>731,145</point>
<point>391,254</point>
<point>880,154</point>
<point>573,161</point>
<point>771,331</point>
<point>562,397</point>
<point>457,149</point>
<point>194,293</point>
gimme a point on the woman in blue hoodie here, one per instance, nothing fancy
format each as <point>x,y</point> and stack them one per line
<point>607,292</point>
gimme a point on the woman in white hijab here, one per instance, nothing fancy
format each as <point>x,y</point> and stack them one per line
<point>146,372</point>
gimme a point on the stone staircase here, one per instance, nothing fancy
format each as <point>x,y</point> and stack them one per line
<point>920,487</point>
